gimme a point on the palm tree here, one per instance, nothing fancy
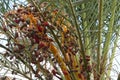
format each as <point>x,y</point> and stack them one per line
<point>64,39</point>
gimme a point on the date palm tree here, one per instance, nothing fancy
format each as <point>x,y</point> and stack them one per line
<point>60,39</point>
